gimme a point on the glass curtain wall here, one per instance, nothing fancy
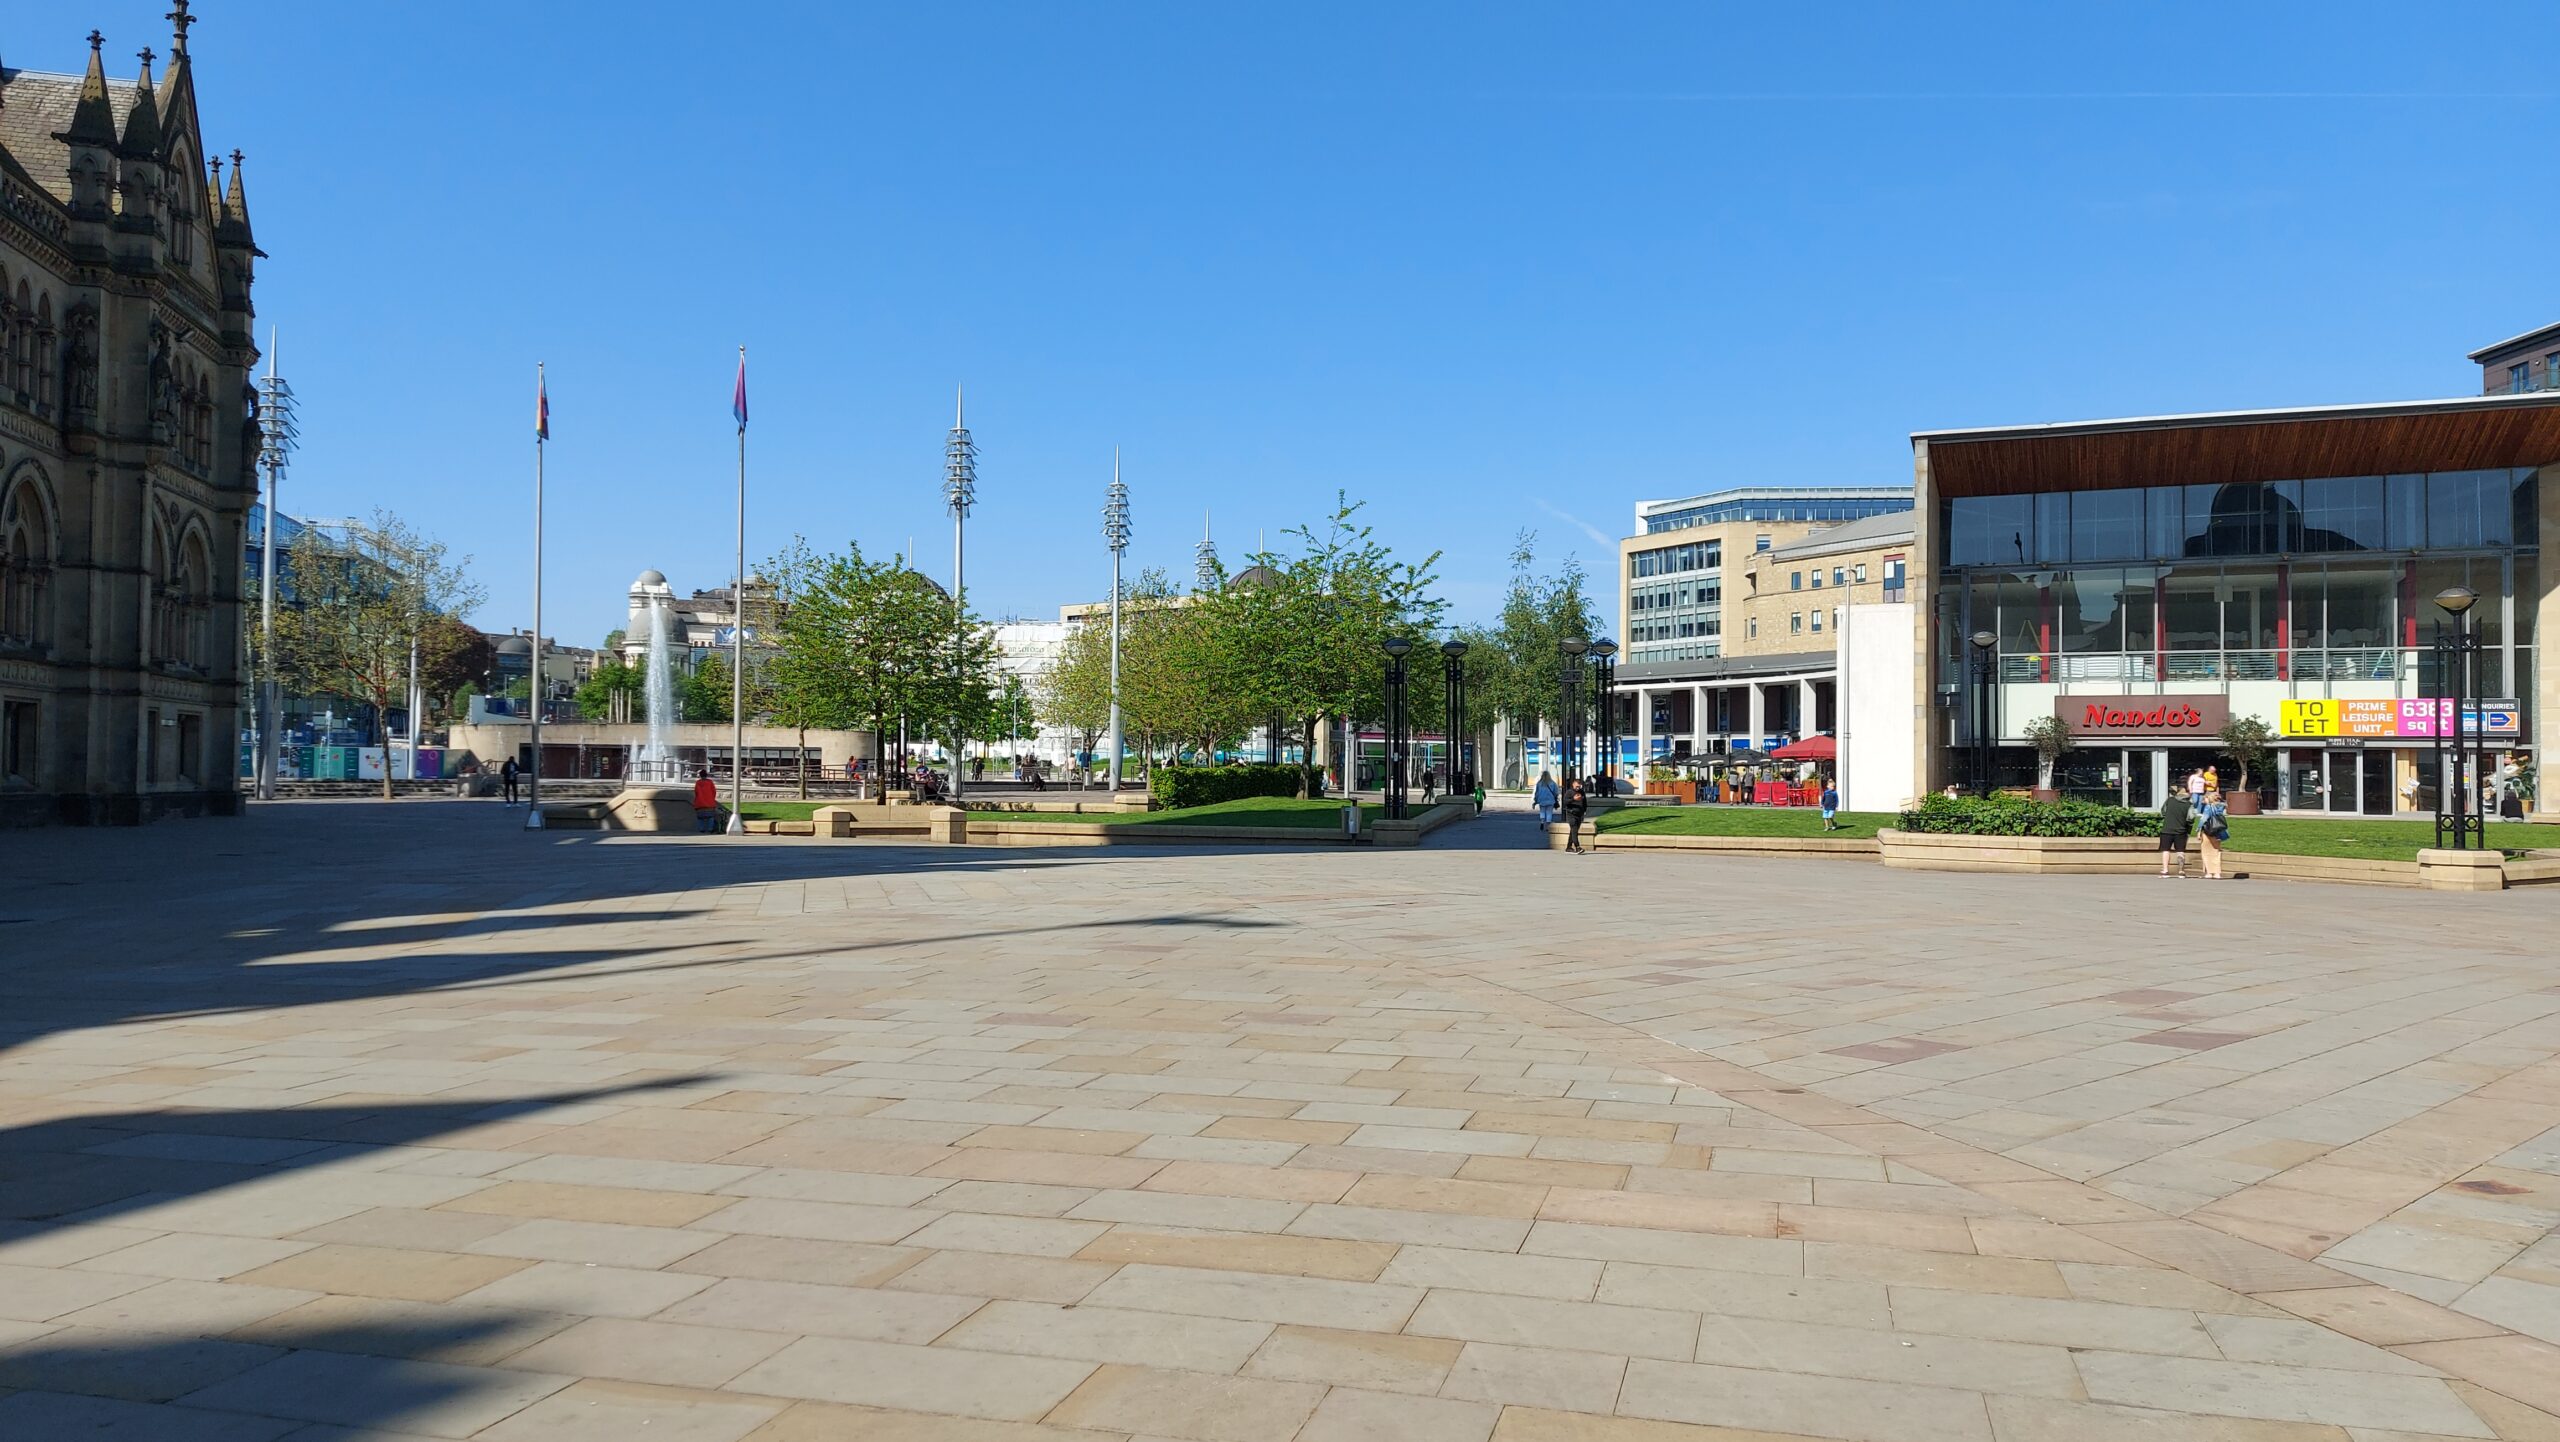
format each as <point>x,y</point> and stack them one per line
<point>2182,585</point>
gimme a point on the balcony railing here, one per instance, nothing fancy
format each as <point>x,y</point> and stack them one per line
<point>2410,672</point>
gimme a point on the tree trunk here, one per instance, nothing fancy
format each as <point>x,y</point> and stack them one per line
<point>802,761</point>
<point>386,759</point>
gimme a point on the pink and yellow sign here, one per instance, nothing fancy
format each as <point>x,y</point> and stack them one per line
<point>2394,720</point>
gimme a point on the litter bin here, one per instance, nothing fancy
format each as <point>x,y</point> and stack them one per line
<point>1351,819</point>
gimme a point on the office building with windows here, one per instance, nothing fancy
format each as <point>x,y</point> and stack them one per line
<point>1727,604</point>
<point>2146,579</point>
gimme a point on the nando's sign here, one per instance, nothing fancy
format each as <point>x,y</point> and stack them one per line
<point>2200,715</point>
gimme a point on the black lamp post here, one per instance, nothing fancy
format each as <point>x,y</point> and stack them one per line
<point>1570,739</point>
<point>1397,648</point>
<point>1453,676</point>
<point>2457,672</point>
<point>1604,696</point>
<point>1984,666</point>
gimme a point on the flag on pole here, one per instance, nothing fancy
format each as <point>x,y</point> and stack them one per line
<point>541,408</point>
<point>738,402</point>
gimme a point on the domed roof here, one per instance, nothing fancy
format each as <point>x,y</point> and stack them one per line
<point>513,646</point>
<point>650,578</point>
<point>1255,577</point>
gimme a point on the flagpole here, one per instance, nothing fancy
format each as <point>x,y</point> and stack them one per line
<point>738,632</point>
<point>541,433</point>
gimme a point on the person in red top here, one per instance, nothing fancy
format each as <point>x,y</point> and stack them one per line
<point>706,803</point>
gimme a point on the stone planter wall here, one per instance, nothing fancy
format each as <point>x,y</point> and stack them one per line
<point>1928,851</point>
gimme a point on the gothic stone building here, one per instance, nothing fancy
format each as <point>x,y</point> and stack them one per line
<point>128,447</point>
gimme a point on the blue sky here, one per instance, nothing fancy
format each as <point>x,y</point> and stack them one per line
<point>1488,267</point>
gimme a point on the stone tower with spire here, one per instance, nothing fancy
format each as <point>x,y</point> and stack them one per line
<point>128,443</point>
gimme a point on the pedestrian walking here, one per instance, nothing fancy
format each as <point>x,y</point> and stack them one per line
<point>2195,788</point>
<point>2175,816</point>
<point>1430,785</point>
<point>1545,797</point>
<point>2213,824</point>
<point>1830,806</point>
<point>507,779</point>
<point>1577,804</point>
<point>706,802</point>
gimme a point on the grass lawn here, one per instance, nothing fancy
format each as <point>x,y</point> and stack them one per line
<point>2369,840</point>
<point>1738,821</point>
<point>1288,811</point>
<point>782,810</point>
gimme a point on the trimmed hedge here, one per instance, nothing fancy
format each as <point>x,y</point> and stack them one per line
<point>2015,816</point>
<point>1175,787</point>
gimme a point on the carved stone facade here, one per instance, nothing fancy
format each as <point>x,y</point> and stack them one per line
<point>128,451</point>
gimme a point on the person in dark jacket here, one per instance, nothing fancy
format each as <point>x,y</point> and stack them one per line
<point>1577,804</point>
<point>2174,819</point>
<point>507,778</point>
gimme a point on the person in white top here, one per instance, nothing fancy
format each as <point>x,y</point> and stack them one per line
<point>2195,788</point>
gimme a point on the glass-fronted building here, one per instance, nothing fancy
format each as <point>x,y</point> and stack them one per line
<point>2143,580</point>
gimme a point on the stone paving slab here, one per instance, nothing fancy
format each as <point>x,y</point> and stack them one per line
<point>386,1122</point>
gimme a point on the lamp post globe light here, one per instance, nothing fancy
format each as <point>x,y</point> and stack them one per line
<point>1398,731</point>
<point>1570,723</point>
<point>2458,712</point>
<point>1984,642</point>
<point>1115,533</point>
<point>1604,696</point>
<point>1453,654</point>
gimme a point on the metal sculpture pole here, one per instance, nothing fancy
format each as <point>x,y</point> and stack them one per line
<point>960,493</point>
<point>1115,533</point>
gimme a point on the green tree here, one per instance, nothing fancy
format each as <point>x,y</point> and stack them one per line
<point>1075,694</point>
<point>362,603</point>
<point>872,641</point>
<point>614,678</point>
<point>1514,667</point>
<point>454,659</point>
<point>1308,645</point>
<point>705,695</point>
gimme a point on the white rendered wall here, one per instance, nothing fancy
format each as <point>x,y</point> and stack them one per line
<point>1877,682</point>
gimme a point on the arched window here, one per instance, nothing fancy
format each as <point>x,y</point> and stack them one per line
<point>182,206</point>
<point>193,601</point>
<point>48,358</point>
<point>22,354</point>
<point>26,562</point>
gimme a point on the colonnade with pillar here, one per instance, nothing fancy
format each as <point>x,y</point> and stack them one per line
<point>1706,716</point>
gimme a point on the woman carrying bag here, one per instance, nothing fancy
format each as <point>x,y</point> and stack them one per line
<point>2213,824</point>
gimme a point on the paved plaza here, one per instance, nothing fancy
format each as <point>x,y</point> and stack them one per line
<point>360,1122</point>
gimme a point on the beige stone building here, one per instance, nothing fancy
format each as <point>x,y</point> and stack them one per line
<point>1789,595</point>
<point>128,444</point>
<point>1727,604</point>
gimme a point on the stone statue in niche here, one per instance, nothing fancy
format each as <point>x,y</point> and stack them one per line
<point>253,437</point>
<point>164,385</point>
<point>80,378</point>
